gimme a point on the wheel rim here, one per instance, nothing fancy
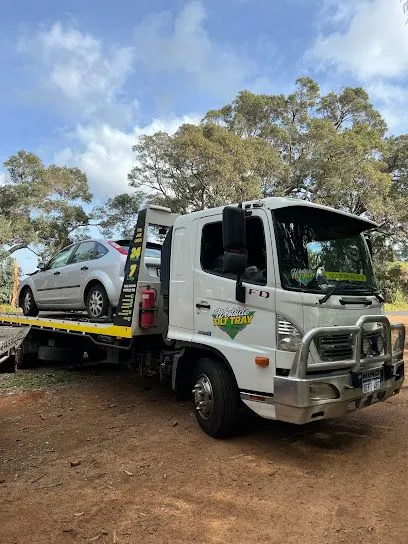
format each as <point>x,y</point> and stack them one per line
<point>203,397</point>
<point>27,301</point>
<point>96,303</point>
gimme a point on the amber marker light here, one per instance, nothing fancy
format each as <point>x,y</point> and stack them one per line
<point>262,361</point>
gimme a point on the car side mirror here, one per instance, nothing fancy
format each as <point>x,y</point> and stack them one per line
<point>41,266</point>
<point>234,242</point>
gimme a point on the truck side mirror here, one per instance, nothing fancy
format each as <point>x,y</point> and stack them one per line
<point>233,228</point>
<point>234,242</point>
<point>235,263</point>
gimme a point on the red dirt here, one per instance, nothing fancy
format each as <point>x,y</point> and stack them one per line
<point>148,474</point>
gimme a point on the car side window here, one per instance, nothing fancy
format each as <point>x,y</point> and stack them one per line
<point>212,251</point>
<point>86,251</point>
<point>100,250</point>
<point>61,259</point>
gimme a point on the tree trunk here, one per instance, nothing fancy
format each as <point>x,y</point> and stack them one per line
<point>15,284</point>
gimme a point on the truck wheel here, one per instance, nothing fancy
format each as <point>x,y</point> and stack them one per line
<point>28,303</point>
<point>216,398</point>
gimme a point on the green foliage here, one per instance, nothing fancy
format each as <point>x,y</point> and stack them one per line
<point>329,149</point>
<point>6,278</point>
<point>119,214</point>
<point>200,166</point>
<point>393,279</point>
<point>41,206</point>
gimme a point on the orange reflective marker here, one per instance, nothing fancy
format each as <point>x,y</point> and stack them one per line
<point>262,361</point>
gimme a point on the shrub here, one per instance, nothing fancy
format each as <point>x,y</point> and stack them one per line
<point>393,280</point>
<point>6,278</point>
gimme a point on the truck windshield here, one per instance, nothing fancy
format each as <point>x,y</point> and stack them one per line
<point>318,249</point>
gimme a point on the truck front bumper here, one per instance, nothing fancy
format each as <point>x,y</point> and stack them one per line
<point>325,390</point>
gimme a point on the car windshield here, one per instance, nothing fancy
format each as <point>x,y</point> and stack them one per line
<point>318,250</point>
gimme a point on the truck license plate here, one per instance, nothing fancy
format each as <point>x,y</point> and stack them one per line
<point>371,384</point>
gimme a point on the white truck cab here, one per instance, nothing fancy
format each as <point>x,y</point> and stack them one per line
<point>281,295</point>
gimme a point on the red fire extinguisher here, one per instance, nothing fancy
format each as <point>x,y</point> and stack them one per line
<point>148,308</point>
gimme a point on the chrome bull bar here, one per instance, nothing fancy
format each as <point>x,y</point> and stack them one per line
<point>301,365</point>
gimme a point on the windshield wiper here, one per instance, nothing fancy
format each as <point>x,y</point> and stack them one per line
<point>336,287</point>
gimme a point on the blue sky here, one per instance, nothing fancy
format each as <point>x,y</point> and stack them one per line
<point>81,80</point>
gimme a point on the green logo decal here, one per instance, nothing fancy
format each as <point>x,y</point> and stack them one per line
<point>232,320</point>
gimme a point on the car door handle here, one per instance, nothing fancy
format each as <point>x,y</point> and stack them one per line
<point>84,268</point>
<point>203,305</point>
<point>57,273</point>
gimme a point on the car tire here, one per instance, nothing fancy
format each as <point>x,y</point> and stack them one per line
<point>97,302</point>
<point>28,303</point>
<point>216,398</point>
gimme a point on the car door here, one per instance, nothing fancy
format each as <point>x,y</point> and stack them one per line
<point>241,331</point>
<point>80,266</point>
<point>48,283</point>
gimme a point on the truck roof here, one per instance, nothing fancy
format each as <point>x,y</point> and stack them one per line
<point>274,203</point>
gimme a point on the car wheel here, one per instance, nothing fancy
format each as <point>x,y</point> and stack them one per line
<point>97,302</point>
<point>216,398</point>
<point>28,303</point>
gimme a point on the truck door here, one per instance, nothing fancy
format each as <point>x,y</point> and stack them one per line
<point>239,331</point>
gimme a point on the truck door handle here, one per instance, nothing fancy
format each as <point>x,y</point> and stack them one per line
<point>203,305</point>
<point>57,273</point>
<point>84,268</point>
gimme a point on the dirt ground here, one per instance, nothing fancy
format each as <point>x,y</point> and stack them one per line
<point>97,455</point>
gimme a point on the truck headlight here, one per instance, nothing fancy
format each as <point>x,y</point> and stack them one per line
<point>372,344</point>
<point>288,336</point>
<point>323,391</point>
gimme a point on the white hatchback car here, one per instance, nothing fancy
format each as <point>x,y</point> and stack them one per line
<point>87,276</point>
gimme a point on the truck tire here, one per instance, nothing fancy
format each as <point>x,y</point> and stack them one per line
<point>216,398</point>
<point>24,360</point>
<point>61,355</point>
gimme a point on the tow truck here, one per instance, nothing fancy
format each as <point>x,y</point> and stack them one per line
<point>270,305</point>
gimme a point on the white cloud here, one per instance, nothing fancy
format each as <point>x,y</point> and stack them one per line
<point>373,44</point>
<point>75,70</point>
<point>105,154</point>
<point>3,178</point>
<point>180,43</point>
<point>392,102</point>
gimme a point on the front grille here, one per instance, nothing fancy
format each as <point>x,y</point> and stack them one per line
<point>335,347</point>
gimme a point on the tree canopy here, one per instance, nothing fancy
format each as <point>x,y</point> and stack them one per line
<point>331,149</point>
<point>41,207</point>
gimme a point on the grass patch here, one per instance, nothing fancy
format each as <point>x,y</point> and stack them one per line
<point>35,379</point>
<point>396,307</point>
<point>7,308</point>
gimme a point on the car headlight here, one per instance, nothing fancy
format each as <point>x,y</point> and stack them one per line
<point>288,336</point>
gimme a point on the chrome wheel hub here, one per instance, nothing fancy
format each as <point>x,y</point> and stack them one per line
<point>203,396</point>
<point>96,303</point>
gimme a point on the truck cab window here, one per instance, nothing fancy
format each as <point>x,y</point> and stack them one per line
<point>212,251</point>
